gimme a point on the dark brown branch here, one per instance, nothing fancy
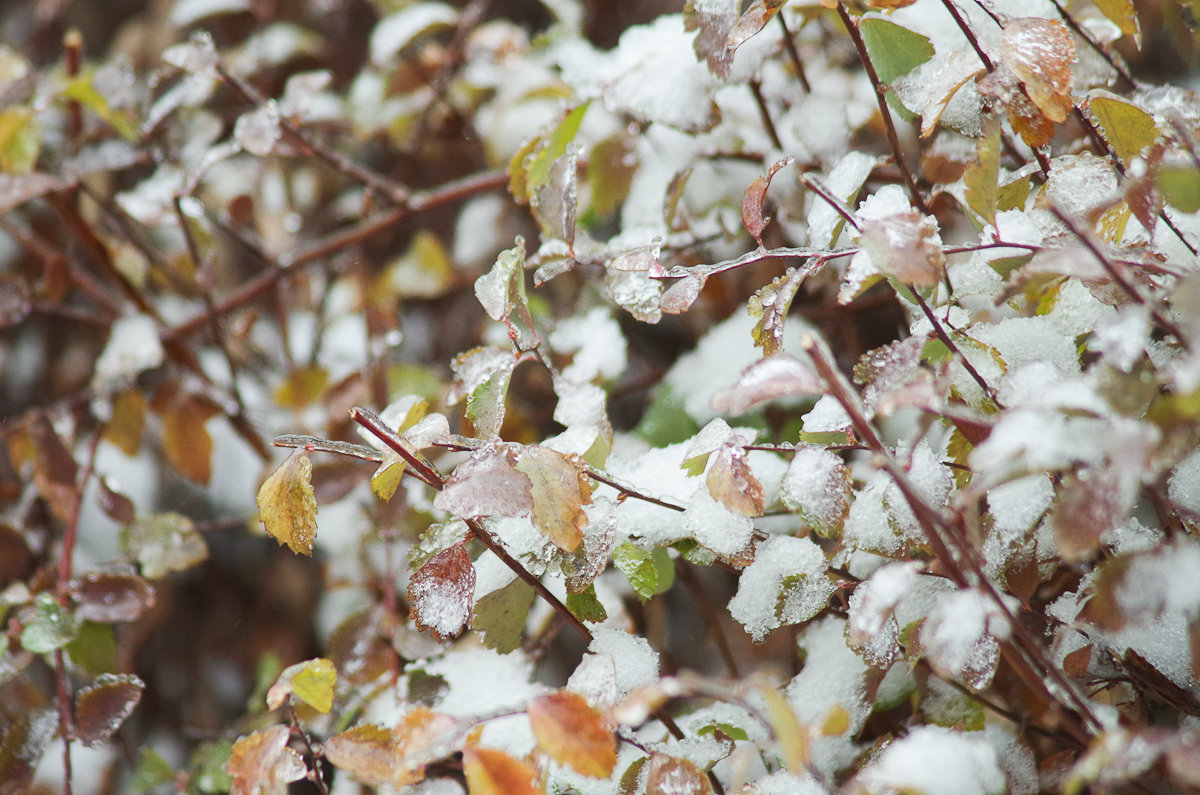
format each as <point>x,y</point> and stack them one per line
<point>765,113</point>
<point>794,54</point>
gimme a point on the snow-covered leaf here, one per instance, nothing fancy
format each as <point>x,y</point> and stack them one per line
<point>441,593</point>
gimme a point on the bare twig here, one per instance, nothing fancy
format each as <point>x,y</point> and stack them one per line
<point>969,33</point>
<point>765,113</point>
<point>794,54</point>
<point>954,349</point>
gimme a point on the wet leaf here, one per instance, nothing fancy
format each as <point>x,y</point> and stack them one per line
<point>25,739</point>
<point>572,732</point>
<point>441,593</point>
<point>488,483</point>
<point>712,22</point>
<point>649,573</point>
<point>1127,128</point>
<point>162,543</point>
<point>54,470</point>
<point>981,178</point>
<point>1123,14</point>
<point>752,21</point>
<point>311,681</point>
<point>261,763</point>
<point>287,506</point>
<point>673,775</point>
<point>1180,186</point>
<point>482,376</point>
<point>49,626</point>
<point>731,482</point>
<point>501,292</point>
<point>112,598</point>
<point>500,615</point>
<point>585,606</point>
<point>102,707</point>
<point>493,772</point>
<point>94,648</point>
<point>559,491</point>
<point>116,506</point>
<point>753,199</point>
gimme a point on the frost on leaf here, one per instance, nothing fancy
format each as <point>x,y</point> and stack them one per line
<point>872,630</point>
<point>904,246</point>
<point>559,490</point>
<point>574,733</point>
<point>262,763</point>
<point>591,557</point>
<point>712,20</point>
<point>112,597</point>
<point>493,772</point>
<point>481,375</point>
<point>959,637</point>
<point>786,584</point>
<point>501,292</point>
<point>778,376</point>
<point>770,305</point>
<point>287,506</point>
<point>1033,80</point>
<point>487,484</point>
<point>395,757</point>
<point>673,775</point>
<point>310,681</point>
<point>817,488</point>
<point>441,593</point>
<point>648,572</point>
<point>103,706</point>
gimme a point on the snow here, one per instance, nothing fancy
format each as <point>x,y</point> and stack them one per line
<point>817,487</point>
<point>1183,487</point>
<point>716,527</point>
<point>1015,507</point>
<point>872,629</point>
<point>764,601</point>
<point>960,637</point>
<point>844,182</point>
<point>634,662</point>
<point>396,31</point>
<point>1022,340</point>
<point>597,344</point>
<point>785,783</point>
<point>935,761</point>
<point>827,415</point>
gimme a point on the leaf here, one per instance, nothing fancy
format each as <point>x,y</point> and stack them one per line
<point>162,543</point>
<point>94,648</point>
<point>1039,52</point>
<point>124,428</point>
<point>817,488</point>
<point>1180,186</point>
<point>25,739</point>
<point>781,375</point>
<point>54,469</point>
<point>185,440</point>
<point>903,246</point>
<point>102,707</point>
<point>712,22</point>
<point>489,483</point>
<point>311,681</point>
<point>673,775</point>
<point>559,490</point>
<point>731,482</point>
<point>112,598</point>
<point>1123,14</point>
<point>554,145</point>
<point>574,733</point>
<point>981,178</point>
<point>499,616</point>
<point>585,606</point>
<point>754,197</point>
<point>501,292</point>
<point>287,506</point>
<point>894,49</point>
<point>261,762</point>
<point>752,21</point>
<point>492,772</point>
<point>303,386</point>
<point>1127,128</point>
<point>771,305</point>
<point>116,506</point>
<point>555,203</point>
<point>482,376</point>
<point>384,757</point>
<point>49,626</point>
<point>441,593</point>
<point>649,573</point>
<point>20,143</point>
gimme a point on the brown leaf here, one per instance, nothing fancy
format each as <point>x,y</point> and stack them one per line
<point>559,491</point>
<point>492,772</point>
<point>101,708</point>
<point>262,763</point>
<point>54,469</point>
<point>487,484</point>
<point>185,440</point>
<point>671,775</point>
<point>752,20</point>
<point>396,757</point>
<point>573,733</point>
<point>116,506</point>
<point>1076,663</point>
<point>441,593</point>
<point>16,558</point>
<point>753,199</point>
<point>712,21</point>
<point>731,482</point>
<point>111,598</point>
<point>287,506</point>
<point>124,428</point>
<point>16,301</point>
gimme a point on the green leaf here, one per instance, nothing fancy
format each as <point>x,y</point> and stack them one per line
<point>162,543</point>
<point>209,763</point>
<point>1180,186</point>
<point>692,551</point>
<point>313,683</point>
<point>152,771</point>
<point>50,627</point>
<point>1123,14</point>
<point>94,648</point>
<point>649,573</point>
<point>665,421</point>
<point>499,616</point>
<point>20,140</point>
<point>727,729</point>
<point>894,50</point>
<point>586,606</point>
<point>1127,128</point>
<point>554,146</point>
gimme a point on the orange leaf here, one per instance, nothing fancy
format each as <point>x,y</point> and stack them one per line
<point>492,772</point>
<point>379,756</point>
<point>573,733</point>
<point>731,482</point>
<point>560,490</point>
<point>262,762</point>
<point>670,774</point>
<point>1040,52</point>
<point>287,506</point>
<point>124,429</point>
<point>441,593</point>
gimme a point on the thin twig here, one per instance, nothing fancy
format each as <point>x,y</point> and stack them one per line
<point>954,349</point>
<point>851,26</point>
<point>1095,45</point>
<point>819,188</point>
<point>765,112</point>
<point>970,34</point>
<point>794,54</point>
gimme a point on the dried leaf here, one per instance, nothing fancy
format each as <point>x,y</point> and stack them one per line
<point>441,593</point>
<point>287,506</point>
<point>102,707</point>
<point>261,763</point>
<point>185,440</point>
<point>492,772</point>
<point>559,491</point>
<point>753,199</point>
<point>574,733</point>
<point>380,756</point>
<point>673,775</point>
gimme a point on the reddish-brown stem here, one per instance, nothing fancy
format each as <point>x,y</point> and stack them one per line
<point>65,725</point>
<point>819,188</point>
<point>954,349</point>
<point>765,113</point>
<point>794,55</point>
<point>885,112</point>
<point>970,34</point>
<point>418,465</point>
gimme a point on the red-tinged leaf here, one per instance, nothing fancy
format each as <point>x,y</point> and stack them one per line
<point>1040,53</point>
<point>124,428</point>
<point>311,681</point>
<point>731,482</point>
<point>754,198</point>
<point>185,440</point>
<point>712,23</point>
<point>382,757</point>
<point>487,484</point>
<point>559,491</point>
<point>101,708</point>
<point>781,375</point>
<point>261,763</point>
<point>1088,505</point>
<point>441,593</point>
<point>112,598</point>
<point>672,775</point>
<point>771,305</point>
<point>54,470</point>
<point>1076,663</point>
<point>493,772</point>
<point>573,732</point>
<point>116,506</point>
<point>680,296</point>
<point>287,506</point>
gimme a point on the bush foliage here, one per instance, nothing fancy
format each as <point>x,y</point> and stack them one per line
<point>582,397</point>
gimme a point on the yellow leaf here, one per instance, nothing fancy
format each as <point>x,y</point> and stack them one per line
<point>287,506</point>
<point>185,440</point>
<point>560,490</point>
<point>572,732</point>
<point>313,683</point>
<point>124,429</point>
<point>303,386</point>
<point>492,772</point>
